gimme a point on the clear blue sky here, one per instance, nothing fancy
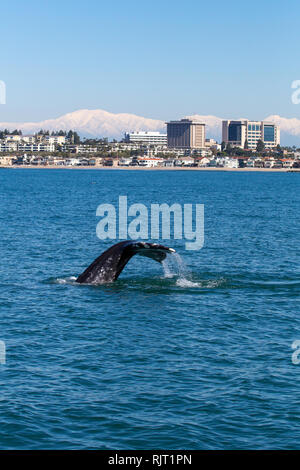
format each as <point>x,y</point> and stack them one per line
<point>161,59</point>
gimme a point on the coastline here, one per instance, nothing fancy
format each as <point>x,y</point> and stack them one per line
<point>57,167</point>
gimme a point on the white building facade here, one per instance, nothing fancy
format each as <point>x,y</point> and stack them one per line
<point>240,133</point>
<point>147,138</point>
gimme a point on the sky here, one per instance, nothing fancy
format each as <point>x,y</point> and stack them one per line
<point>158,59</point>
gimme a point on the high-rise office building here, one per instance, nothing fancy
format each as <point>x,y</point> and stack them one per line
<point>237,133</point>
<point>186,134</point>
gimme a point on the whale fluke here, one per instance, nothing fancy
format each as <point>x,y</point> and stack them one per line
<point>108,266</point>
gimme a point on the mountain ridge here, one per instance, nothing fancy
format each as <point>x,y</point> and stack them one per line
<point>102,123</point>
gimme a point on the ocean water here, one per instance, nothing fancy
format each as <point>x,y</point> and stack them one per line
<point>167,357</point>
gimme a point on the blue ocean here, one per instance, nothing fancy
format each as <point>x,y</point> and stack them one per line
<point>194,354</point>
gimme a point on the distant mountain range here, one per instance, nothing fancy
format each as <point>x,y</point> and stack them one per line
<point>100,123</point>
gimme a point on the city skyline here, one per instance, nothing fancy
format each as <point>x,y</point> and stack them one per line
<point>100,123</point>
<point>161,63</point>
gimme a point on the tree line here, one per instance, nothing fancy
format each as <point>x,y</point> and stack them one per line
<point>72,136</point>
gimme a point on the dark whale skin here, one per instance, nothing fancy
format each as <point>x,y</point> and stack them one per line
<point>109,265</point>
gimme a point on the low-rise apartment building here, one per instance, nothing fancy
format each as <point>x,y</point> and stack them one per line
<point>146,137</point>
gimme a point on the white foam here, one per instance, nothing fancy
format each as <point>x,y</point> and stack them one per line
<point>182,282</point>
<point>215,283</point>
<point>66,280</point>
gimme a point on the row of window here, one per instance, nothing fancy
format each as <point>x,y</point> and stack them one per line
<point>253,127</point>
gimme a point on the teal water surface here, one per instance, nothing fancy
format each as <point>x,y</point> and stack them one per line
<point>155,360</point>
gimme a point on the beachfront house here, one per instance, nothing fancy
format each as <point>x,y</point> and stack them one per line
<point>150,162</point>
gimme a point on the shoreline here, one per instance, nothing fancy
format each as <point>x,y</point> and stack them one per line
<point>121,168</point>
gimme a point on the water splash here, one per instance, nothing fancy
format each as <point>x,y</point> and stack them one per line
<point>174,266</point>
<point>183,282</point>
<point>182,269</point>
<point>66,280</point>
<point>168,267</point>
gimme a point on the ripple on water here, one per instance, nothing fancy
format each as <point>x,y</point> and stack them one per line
<point>195,354</point>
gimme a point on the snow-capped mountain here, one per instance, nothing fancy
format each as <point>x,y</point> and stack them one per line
<point>100,123</point>
<point>90,123</point>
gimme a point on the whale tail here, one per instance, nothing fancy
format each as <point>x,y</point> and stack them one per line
<point>109,265</point>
